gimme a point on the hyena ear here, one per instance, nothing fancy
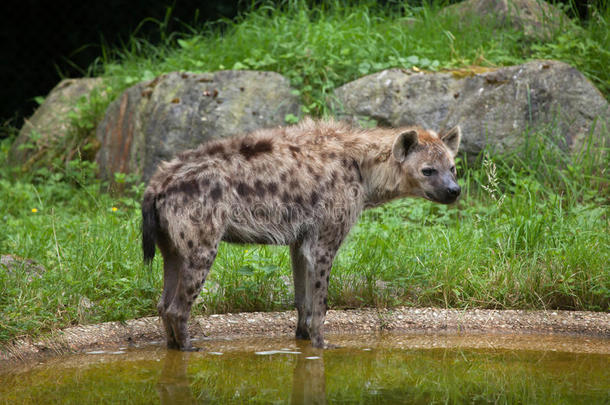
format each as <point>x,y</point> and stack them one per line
<point>452,138</point>
<point>403,143</point>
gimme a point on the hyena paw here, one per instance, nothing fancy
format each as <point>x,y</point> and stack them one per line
<point>302,333</point>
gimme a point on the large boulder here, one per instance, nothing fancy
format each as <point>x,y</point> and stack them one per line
<point>536,18</point>
<point>153,121</point>
<point>52,121</point>
<point>495,107</point>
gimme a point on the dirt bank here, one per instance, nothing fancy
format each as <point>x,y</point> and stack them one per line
<point>274,324</point>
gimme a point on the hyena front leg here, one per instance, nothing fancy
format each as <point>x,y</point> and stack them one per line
<point>301,264</point>
<point>323,255</point>
<point>193,272</point>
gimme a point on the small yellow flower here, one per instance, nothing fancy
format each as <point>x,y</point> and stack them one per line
<point>114,209</point>
<point>34,210</point>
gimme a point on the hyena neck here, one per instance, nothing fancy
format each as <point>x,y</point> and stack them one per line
<point>382,182</point>
<point>381,173</point>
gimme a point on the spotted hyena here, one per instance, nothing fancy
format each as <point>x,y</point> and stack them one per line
<point>302,186</point>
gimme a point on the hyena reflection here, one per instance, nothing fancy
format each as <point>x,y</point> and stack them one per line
<point>302,186</point>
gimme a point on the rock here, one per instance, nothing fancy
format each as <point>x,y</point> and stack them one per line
<point>12,264</point>
<point>152,121</point>
<point>51,121</point>
<point>495,107</point>
<point>536,18</point>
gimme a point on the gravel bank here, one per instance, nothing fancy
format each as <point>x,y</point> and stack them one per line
<point>276,324</point>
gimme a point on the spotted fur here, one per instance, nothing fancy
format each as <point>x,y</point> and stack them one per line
<point>302,186</point>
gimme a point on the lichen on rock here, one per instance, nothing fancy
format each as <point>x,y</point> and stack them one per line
<point>153,121</point>
<point>497,108</point>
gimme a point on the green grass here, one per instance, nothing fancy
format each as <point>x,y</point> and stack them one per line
<point>531,231</point>
<point>321,48</point>
<point>524,235</point>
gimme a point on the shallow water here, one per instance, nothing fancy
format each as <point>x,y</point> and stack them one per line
<point>365,369</point>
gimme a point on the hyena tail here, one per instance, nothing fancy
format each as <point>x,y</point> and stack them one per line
<point>150,225</point>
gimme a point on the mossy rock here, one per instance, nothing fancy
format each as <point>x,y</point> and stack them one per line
<point>153,121</point>
<point>496,108</point>
<point>52,122</point>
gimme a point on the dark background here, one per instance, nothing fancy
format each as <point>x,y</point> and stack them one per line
<point>43,41</point>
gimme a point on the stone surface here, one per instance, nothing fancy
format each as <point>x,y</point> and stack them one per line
<point>152,121</point>
<point>498,107</point>
<point>51,121</point>
<point>14,264</point>
<point>536,18</point>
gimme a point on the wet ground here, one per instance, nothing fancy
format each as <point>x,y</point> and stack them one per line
<point>366,368</point>
<point>110,335</point>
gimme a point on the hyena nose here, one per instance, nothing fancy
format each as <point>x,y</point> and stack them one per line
<point>454,190</point>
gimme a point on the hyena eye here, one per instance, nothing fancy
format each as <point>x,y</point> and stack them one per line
<point>452,169</point>
<point>428,171</point>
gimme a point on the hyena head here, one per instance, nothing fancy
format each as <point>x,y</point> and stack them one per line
<point>427,161</point>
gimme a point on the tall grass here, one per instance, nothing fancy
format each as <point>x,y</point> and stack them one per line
<point>322,47</point>
<point>528,233</point>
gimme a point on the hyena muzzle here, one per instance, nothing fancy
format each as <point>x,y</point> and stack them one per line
<point>303,186</point>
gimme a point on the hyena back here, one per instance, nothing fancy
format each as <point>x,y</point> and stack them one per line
<point>302,186</point>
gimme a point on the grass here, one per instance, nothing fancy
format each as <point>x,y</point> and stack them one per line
<point>531,231</point>
<point>525,235</point>
<point>320,48</point>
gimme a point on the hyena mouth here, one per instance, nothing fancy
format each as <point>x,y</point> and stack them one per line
<point>444,199</point>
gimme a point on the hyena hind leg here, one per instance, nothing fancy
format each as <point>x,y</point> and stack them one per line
<point>301,264</point>
<point>193,272</point>
<point>172,264</point>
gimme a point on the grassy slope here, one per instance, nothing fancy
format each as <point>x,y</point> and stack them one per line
<point>326,47</point>
<point>530,233</point>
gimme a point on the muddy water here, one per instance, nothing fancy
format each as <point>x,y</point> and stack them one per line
<point>364,369</point>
